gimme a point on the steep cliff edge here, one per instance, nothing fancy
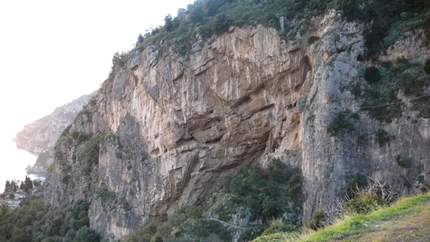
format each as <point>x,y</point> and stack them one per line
<point>163,128</point>
<point>44,132</point>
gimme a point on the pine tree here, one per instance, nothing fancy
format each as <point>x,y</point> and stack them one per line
<point>7,186</point>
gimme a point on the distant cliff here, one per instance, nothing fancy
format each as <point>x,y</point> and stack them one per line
<point>44,132</point>
<point>163,128</point>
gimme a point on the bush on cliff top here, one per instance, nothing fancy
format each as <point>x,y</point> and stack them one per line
<point>204,18</point>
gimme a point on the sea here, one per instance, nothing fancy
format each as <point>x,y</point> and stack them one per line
<point>13,161</point>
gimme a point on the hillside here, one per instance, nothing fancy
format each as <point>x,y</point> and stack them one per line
<point>44,132</point>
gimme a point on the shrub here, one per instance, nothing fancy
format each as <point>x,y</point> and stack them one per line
<point>405,162</point>
<point>349,8</point>
<point>342,123</point>
<point>316,221</point>
<point>278,227</point>
<point>86,234</point>
<point>421,179</point>
<point>363,204</point>
<point>358,181</point>
<point>372,75</point>
<point>221,23</point>
<point>382,137</point>
<point>143,234</point>
<point>402,64</point>
<point>103,192</point>
<point>410,84</point>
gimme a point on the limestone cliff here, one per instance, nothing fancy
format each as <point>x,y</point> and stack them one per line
<point>42,133</point>
<point>164,127</point>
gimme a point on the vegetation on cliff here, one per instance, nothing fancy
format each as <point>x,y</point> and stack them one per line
<point>33,220</point>
<point>25,217</point>
<point>291,18</point>
<point>242,205</point>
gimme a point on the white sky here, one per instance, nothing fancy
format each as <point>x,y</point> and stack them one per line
<point>53,51</point>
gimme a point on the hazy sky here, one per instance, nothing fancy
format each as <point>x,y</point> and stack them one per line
<point>53,51</point>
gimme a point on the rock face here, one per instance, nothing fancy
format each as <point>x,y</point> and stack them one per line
<point>171,126</point>
<point>44,132</point>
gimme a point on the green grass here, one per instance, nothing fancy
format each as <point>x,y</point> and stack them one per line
<point>407,219</point>
<point>362,224</point>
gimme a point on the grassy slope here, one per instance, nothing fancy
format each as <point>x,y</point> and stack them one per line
<point>407,220</point>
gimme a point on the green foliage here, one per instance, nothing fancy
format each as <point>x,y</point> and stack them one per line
<point>123,204</point>
<point>384,19</point>
<point>207,17</point>
<point>4,210</point>
<point>168,25</point>
<point>10,187</point>
<point>372,75</point>
<point>405,162</point>
<point>382,137</point>
<point>278,227</point>
<point>221,23</point>
<point>78,149</point>
<point>253,191</point>
<point>143,234</point>
<point>35,221</point>
<point>420,179</point>
<point>315,222</point>
<point>380,97</point>
<point>88,151</point>
<point>86,145</point>
<point>358,181</point>
<point>27,185</point>
<point>261,190</point>
<point>411,84</point>
<point>342,123</point>
<point>363,204</point>
<point>104,193</point>
<point>86,234</point>
<point>204,18</point>
<point>349,8</point>
<point>119,60</point>
<point>107,196</point>
<point>402,64</point>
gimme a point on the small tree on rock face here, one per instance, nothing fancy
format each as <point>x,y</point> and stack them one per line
<point>372,75</point>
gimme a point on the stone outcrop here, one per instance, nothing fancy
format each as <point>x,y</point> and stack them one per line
<point>44,132</point>
<point>172,125</point>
